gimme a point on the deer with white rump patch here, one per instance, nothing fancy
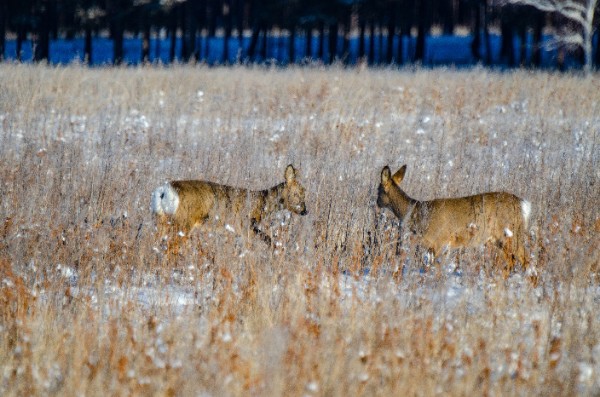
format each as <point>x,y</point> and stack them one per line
<point>498,217</point>
<point>184,205</point>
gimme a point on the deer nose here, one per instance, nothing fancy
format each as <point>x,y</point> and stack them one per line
<point>304,212</point>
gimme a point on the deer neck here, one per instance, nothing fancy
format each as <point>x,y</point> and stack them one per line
<point>270,199</point>
<point>401,203</point>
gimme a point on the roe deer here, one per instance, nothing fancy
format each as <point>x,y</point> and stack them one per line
<point>500,218</point>
<point>183,205</point>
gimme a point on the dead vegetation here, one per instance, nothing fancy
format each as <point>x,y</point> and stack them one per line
<point>89,303</point>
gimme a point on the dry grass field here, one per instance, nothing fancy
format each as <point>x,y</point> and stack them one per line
<point>90,303</point>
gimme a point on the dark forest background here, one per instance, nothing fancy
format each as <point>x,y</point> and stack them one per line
<point>326,30</point>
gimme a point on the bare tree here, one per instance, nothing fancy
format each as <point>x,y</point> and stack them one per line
<point>579,12</point>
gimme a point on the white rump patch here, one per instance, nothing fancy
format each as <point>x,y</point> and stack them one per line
<point>526,210</point>
<point>165,200</point>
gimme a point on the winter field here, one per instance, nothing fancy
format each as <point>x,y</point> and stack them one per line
<point>90,304</point>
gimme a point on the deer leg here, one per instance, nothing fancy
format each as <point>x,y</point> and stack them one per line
<point>505,246</point>
<point>165,235</point>
<point>531,271</point>
<point>427,257</point>
<point>176,241</point>
<point>435,253</point>
<point>264,236</point>
<point>399,243</point>
<point>521,256</point>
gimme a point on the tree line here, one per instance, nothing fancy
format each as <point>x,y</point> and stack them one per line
<point>327,26</point>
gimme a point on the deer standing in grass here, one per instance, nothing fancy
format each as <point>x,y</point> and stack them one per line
<point>183,205</point>
<point>500,218</point>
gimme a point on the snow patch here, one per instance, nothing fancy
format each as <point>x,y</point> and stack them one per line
<point>312,387</point>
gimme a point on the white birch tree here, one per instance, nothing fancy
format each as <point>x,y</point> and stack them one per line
<point>580,12</point>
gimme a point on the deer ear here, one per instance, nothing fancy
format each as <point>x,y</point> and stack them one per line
<point>385,175</point>
<point>290,173</point>
<point>399,175</point>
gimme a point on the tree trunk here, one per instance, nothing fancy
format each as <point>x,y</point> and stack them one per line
<point>448,17</point>
<point>189,51</point>
<point>405,23</point>
<point>20,39</point>
<point>486,33</point>
<point>146,43</point>
<point>53,26</point>
<point>321,47</point>
<point>87,47</point>
<point>423,27</point>
<point>192,31</point>
<point>598,50</point>
<point>227,28</point>
<point>372,42</point>
<point>537,39</point>
<point>507,46</point>
<point>476,43</point>
<point>523,47</point>
<point>253,43</point>
<point>116,30</point>
<point>381,57</point>
<point>239,7</point>
<point>264,50</point>
<point>400,57</point>
<point>588,31</point>
<point>333,38</point>
<point>212,16</point>
<point>226,38</point>
<point>346,43</point>
<point>3,19</point>
<point>116,34</point>
<point>42,47</point>
<point>391,30</point>
<point>308,44</point>
<point>173,30</point>
<point>587,51</point>
<point>157,47</point>
<point>361,39</point>
<point>560,58</point>
<point>118,44</point>
<point>292,45</point>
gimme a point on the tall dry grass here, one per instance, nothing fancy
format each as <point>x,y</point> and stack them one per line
<point>90,304</point>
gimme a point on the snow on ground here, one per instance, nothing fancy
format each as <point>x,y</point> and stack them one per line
<point>445,291</point>
<point>450,297</point>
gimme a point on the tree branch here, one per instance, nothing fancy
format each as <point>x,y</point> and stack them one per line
<point>568,9</point>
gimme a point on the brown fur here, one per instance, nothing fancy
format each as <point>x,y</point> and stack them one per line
<point>201,202</point>
<point>458,222</point>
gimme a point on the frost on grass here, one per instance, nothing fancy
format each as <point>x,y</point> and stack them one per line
<point>343,304</point>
